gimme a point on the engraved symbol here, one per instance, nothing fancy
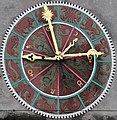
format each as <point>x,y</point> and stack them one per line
<point>30,72</point>
<point>52,91</point>
<point>79,83</point>
<point>76,33</point>
<point>47,28</point>
<point>90,58</point>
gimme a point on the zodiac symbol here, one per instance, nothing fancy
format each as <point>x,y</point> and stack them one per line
<point>30,72</point>
<point>76,33</point>
<point>90,58</point>
<point>52,91</point>
<point>79,83</point>
<point>47,28</point>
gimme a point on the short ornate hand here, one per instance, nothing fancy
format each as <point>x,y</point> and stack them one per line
<point>88,54</point>
<point>70,45</point>
<point>32,57</point>
<point>47,15</point>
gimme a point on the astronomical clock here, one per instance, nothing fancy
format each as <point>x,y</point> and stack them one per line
<point>58,59</point>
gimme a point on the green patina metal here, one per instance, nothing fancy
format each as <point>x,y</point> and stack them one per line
<point>58,104</point>
<point>58,13</point>
<point>104,61</point>
<point>16,83</point>
<point>35,99</point>
<point>99,37</point>
<point>81,20</point>
<point>18,35</point>
<point>34,17</point>
<point>98,84</point>
<point>81,101</point>
<point>11,58</point>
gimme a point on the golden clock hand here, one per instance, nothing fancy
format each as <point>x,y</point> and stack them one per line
<point>70,45</point>
<point>47,15</point>
<point>32,57</point>
<point>88,54</point>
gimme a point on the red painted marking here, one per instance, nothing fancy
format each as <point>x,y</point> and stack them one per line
<point>48,39</point>
<point>40,54</point>
<point>58,78</point>
<point>74,73</point>
<point>41,72</point>
<point>67,39</point>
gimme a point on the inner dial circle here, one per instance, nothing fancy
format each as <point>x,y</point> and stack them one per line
<point>58,78</point>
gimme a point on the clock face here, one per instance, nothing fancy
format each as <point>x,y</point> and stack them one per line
<point>58,59</point>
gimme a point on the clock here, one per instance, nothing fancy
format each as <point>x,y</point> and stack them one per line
<point>58,59</point>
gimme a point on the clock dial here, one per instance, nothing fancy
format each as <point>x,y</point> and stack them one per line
<point>43,74</point>
<point>58,59</point>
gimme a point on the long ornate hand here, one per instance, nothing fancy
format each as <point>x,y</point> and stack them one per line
<point>32,57</point>
<point>70,45</point>
<point>88,54</point>
<point>47,15</point>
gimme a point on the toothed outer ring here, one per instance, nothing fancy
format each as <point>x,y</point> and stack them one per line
<point>85,11</point>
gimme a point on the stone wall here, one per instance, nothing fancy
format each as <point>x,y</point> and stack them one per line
<point>106,11</point>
